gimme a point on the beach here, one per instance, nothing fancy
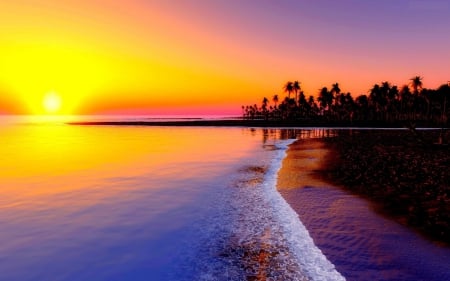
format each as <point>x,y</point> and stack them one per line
<point>224,140</point>
<point>404,173</point>
<point>268,209</point>
<point>361,243</point>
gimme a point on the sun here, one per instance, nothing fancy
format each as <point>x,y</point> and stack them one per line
<point>51,102</point>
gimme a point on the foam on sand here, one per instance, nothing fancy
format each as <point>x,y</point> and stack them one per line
<point>312,261</point>
<point>256,235</point>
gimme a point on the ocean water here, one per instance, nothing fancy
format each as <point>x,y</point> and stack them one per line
<point>140,203</point>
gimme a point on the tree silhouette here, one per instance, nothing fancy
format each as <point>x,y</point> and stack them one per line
<point>385,104</point>
<point>303,106</point>
<point>288,88</point>
<point>416,84</point>
<point>275,100</point>
<point>265,112</point>
<point>362,103</point>
<point>335,91</point>
<point>377,100</point>
<point>325,101</point>
<point>296,88</point>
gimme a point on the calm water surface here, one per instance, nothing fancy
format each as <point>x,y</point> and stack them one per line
<point>109,203</point>
<point>183,203</point>
<point>140,203</point>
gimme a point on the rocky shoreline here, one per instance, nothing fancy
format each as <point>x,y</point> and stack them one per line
<point>405,173</point>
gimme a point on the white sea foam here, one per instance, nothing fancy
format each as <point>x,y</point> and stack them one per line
<point>255,232</point>
<point>312,261</point>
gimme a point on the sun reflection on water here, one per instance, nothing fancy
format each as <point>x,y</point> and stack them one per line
<point>54,158</point>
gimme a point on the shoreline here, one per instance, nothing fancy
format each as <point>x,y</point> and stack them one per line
<point>357,240</point>
<point>255,123</point>
<point>385,187</point>
<point>404,177</point>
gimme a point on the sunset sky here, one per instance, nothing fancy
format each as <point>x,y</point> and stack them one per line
<point>210,56</point>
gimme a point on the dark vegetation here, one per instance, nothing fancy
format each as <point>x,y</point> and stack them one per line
<point>404,172</point>
<point>406,178</point>
<point>385,104</point>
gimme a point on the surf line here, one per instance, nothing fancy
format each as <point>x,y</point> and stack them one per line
<point>310,258</point>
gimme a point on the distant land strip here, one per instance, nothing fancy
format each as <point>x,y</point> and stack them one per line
<point>257,123</point>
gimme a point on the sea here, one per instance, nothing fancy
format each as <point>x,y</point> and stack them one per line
<point>149,203</point>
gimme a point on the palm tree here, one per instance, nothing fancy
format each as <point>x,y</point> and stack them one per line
<point>362,103</point>
<point>275,100</point>
<point>444,95</point>
<point>385,87</point>
<point>344,106</point>
<point>264,102</point>
<point>384,98</point>
<point>265,113</point>
<point>393,102</point>
<point>350,105</point>
<point>312,106</point>
<point>393,93</point>
<point>335,91</point>
<point>416,84</point>
<point>374,94</point>
<point>296,88</point>
<point>378,100</point>
<point>302,104</point>
<point>325,99</point>
<point>288,88</point>
<point>405,100</point>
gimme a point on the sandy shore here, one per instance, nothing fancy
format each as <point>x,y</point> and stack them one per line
<point>344,226</point>
<point>407,176</point>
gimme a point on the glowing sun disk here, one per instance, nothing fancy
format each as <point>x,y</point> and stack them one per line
<point>52,102</point>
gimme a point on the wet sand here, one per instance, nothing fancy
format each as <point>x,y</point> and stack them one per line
<point>361,243</point>
<point>405,173</point>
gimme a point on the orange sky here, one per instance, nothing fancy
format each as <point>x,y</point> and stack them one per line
<point>203,57</point>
